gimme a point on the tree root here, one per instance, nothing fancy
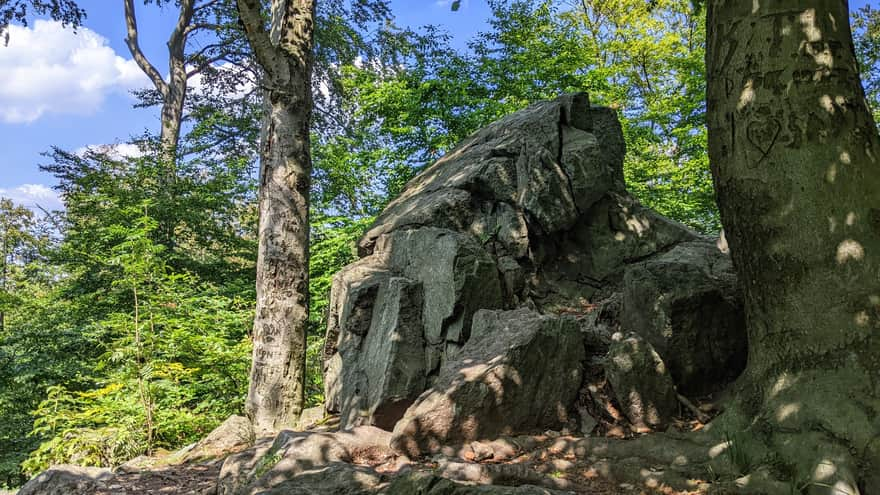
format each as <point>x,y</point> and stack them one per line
<point>727,457</point>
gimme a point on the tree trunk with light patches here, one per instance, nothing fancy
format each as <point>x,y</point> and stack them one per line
<point>277,380</point>
<point>796,161</point>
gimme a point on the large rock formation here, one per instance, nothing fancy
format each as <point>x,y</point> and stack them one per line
<point>531,211</point>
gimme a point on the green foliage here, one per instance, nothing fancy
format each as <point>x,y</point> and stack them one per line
<point>866,35</point>
<point>19,11</point>
<point>126,316</point>
<point>174,364</point>
<point>332,247</point>
<point>78,427</point>
<point>644,60</point>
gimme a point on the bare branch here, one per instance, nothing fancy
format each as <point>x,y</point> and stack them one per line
<point>202,63</point>
<point>206,5</point>
<point>176,42</point>
<point>200,53</point>
<point>132,41</point>
<point>250,13</point>
<point>200,25</point>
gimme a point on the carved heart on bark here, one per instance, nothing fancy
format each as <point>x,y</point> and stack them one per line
<point>763,134</point>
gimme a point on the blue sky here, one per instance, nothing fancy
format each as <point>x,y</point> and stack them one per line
<point>71,90</point>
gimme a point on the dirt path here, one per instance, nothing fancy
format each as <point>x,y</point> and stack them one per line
<point>188,479</point>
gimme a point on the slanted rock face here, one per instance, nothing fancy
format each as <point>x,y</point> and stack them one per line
<point>531,211</point>
<point>519,371</point>
<point>387,367</point>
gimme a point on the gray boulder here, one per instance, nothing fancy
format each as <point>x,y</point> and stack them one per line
<point>685,303</point>
<point>336,478</point>
<point>545,160</point>
<point>589,260</point>
<point>68,480</point>
<point>459,278</point>
<point>272,462</point>
<point>234,434</point>
<point>354,290</point>
<point>519,371</point>
<point>641,383</point>
<point>242,468</point>
<point>385,368</point>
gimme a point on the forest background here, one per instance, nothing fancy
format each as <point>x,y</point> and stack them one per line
<point>125,315</point>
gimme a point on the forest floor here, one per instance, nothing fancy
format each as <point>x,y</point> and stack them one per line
<point>543,465</point>
<point>189,479</point>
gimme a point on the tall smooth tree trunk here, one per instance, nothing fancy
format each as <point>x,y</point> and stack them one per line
<point>277,380</point>
<point>173,91</point>
<point>796,161</point>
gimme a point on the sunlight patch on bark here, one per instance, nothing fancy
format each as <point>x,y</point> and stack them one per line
<point>849,250</point>
<point>747,96</point>
<point>810,28</point>
<point>784,382</point>
<point>786,411</point>
<point>831,176</point>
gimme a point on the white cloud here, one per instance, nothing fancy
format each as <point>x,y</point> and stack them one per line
<point>33,195</point>
<point>115,151</point>
<point>50,69</point>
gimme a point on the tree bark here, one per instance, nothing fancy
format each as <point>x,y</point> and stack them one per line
<point>796,161</point>
<point>277,380</point>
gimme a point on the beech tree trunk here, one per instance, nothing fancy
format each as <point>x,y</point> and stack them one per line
<point>173,91</point>
<point>277,380</point>
<point>796,160</point>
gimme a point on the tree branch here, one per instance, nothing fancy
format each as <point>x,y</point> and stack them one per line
<point>176,41</point>
<point>201,25</point>
<point>202,63</point>
<point>250,13</point>
<point>200,53</point>
<point>206,5</point>
<point>140,59</point>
